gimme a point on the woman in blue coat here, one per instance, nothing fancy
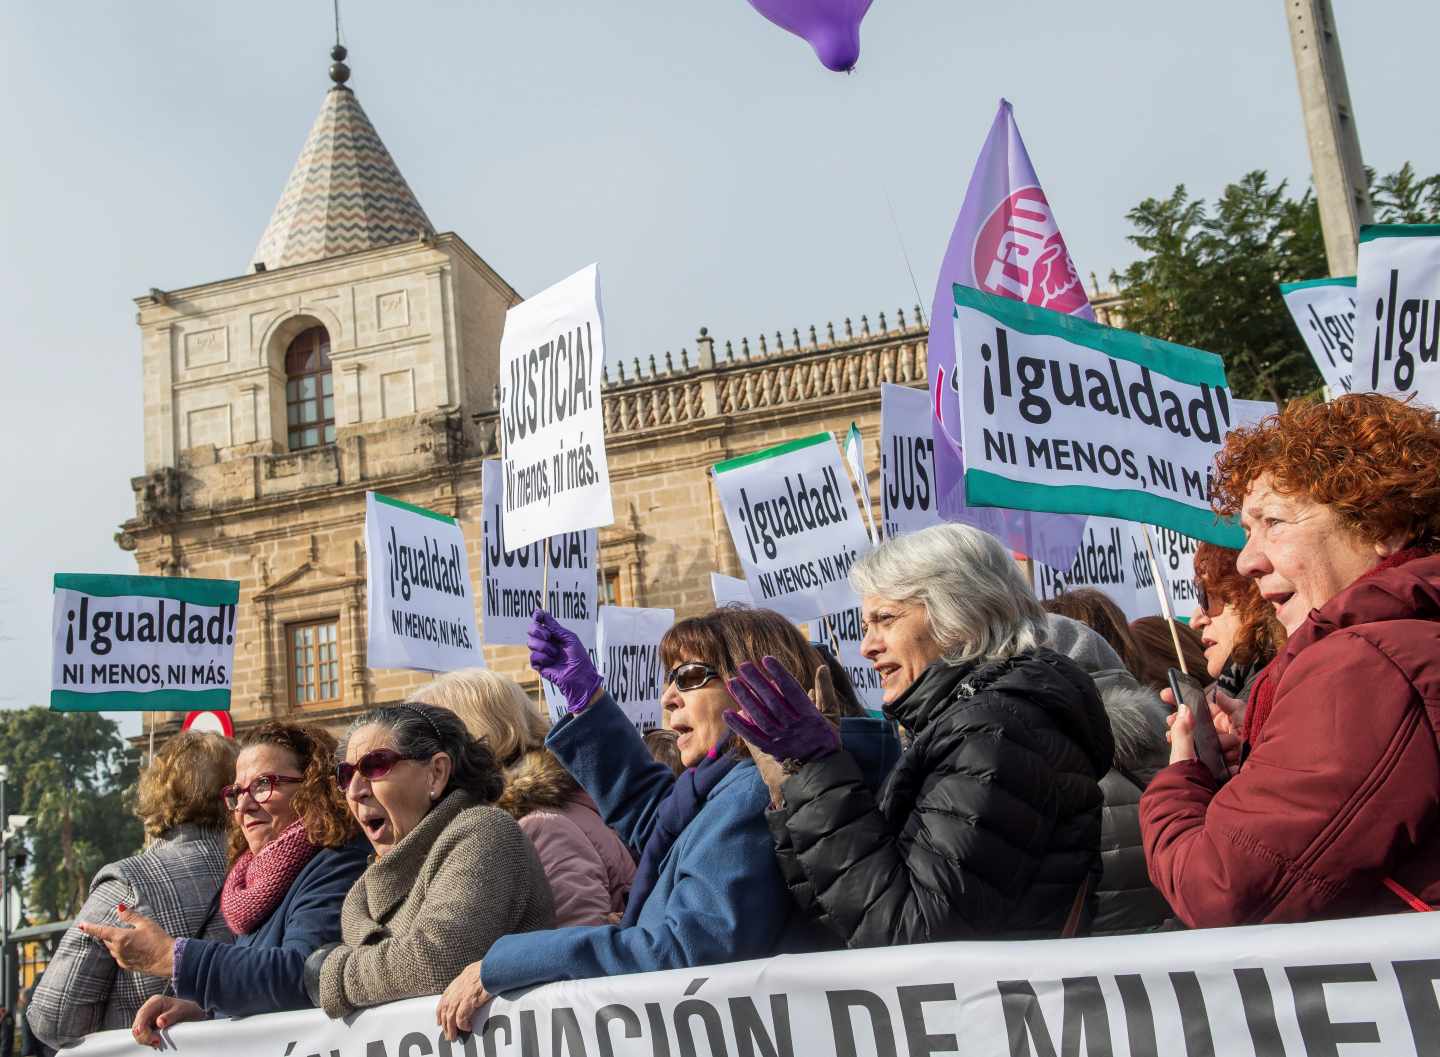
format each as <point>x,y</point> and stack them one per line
<point>707,888</point>
<point>295,852</point>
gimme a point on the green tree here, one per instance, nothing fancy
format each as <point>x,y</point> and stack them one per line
<point>1209,274</point>
<point>73,774</point>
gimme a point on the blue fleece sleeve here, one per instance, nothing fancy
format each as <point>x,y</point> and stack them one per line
<point>727,903</point>
<point>237,980</point>
<point>604,752</point>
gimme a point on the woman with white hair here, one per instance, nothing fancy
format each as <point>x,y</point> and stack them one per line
<point>989,825</point>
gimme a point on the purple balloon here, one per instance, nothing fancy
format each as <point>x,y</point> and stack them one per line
<point>831,26</point>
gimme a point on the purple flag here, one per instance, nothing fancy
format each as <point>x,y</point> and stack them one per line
<point>1005,242</point>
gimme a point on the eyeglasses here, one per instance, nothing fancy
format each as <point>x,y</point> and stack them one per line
<point>1203,600</point>
<point>691,675</point>
<point>259,789</point>
<point>376,763</point>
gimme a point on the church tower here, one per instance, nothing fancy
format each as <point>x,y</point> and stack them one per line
<point>357,351</point>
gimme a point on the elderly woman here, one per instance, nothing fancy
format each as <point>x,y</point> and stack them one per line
<point>1333,812</point>
<point>707,888</point>
<point>175,882</point>
<point>1236,626</point>
<point>294,852</point>
<point>588,866</point>
<point>989,824</point>
<point>452,872</point>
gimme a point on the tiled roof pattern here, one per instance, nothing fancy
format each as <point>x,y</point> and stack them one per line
<point>344,195</point>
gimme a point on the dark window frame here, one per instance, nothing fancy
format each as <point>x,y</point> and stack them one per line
<point>307,360</point>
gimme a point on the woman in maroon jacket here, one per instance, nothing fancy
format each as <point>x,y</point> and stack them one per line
<point>1335,811</point>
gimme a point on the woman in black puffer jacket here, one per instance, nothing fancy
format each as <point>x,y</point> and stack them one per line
<point>989,825</point>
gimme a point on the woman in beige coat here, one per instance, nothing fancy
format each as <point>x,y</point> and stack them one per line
<point>452,873</point>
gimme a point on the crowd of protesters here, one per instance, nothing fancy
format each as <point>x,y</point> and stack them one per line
<point>1030,776</point>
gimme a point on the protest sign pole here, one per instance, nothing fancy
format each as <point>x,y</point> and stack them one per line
<point>545,605</point>
<point>1165,609</point>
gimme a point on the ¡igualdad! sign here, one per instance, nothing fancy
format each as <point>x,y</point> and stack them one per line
<point>142,643</point>
<point>1060,414</point>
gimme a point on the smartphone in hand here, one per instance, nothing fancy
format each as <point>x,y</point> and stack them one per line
<point>1190,695</point>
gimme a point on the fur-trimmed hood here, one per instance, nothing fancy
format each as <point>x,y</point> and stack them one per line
<point>537,781</point>
<point>1137,721</point>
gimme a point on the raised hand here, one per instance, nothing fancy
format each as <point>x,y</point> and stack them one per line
<point>558,655</point>
<point>778,716</point>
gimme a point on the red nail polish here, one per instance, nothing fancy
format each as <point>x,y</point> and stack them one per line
<point>121,908</point>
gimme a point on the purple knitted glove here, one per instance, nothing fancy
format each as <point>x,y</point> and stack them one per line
<point>559,656</point>
<point>783,722</point>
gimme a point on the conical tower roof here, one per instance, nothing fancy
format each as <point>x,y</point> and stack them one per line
<point>345,193</point>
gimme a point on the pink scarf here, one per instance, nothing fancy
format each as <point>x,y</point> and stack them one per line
<point>258,882</point>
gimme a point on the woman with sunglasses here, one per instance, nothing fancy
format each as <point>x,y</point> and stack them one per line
<point>175,881</point>
<point>451,874</point>
<point>707,888</point>
<point>294,853</point>
<point>1237,627</point>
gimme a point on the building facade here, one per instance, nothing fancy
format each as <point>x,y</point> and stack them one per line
<point>359,352</point>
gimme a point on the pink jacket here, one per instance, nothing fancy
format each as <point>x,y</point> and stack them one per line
<point>589,868</point>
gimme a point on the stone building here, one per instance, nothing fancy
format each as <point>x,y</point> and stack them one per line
<point>359,351</point>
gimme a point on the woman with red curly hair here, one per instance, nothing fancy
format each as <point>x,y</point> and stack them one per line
<point>1237,627</point>
<point>1335,811</point>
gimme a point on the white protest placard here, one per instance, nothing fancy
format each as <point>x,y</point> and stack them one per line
<point>420,603</point>
<point>1111,560</point>
<point>907,461</point>
<point>628,642</point>
<point>1398,295</point>
<point>1324,310</point>
<point>512,579</point>
<point>796,527</point>
<point>1061,414</point>
<point>730,590</point>
<point>841,632</point>
<point>570,596</point>
<point>142,643</point>
<point>552,425</point>
<point>1353,988</point>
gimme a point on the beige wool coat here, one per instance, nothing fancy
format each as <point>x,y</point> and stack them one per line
<point>464,877</point>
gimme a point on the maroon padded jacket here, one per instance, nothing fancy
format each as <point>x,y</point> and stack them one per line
<point>1342,785</point>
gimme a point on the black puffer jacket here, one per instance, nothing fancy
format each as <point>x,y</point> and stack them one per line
<point>986,826</point>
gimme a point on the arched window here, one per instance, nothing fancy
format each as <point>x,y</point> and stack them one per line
<point>309,390</point>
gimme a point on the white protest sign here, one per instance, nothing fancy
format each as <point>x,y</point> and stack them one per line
<point>142,643</point>
<point>730,590</point>
<point>1069,416</point>
<point>1348,988</point>
<point>628,642</point>
<point>571,595</point>
<point>907,461</point>
<point>512,578</point>
<point>1111,560</point>
<point>1324,310</point>
<point>420,604</point>
<point>793,518</point>
<point>855,457</point>
<point>841,632</point>
<point>552,424</point>
<point>1398,295</point>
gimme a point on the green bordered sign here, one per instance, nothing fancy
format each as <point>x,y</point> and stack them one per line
<point>142,643</point>
<point>1062,415</point>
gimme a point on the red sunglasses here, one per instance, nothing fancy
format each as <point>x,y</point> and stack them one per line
<point>376,763</point>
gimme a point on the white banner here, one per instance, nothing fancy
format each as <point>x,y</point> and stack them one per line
<point>1398,290</point>
<point>793,518</point>
<point>1324,310</point>
<point>421,608</point>
<point>841,632</point>
<point>556,476</point>
<point>907,460</point>
<point>628,642</point>
<point>571,595</point>
<point>141,643</point>
<point>1366,985</point>
<point>1065,415</point>
<point>1111,560</point>
<point>512,578</point>
<point>730,590</point>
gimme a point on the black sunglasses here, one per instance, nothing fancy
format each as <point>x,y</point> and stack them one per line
<point>1202,599</point>
<point>691,675</point>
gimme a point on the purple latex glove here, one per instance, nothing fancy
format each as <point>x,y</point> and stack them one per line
<point>783,722</point>
<point>559,656</point>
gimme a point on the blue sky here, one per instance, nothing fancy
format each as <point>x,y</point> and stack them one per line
<point>720,175</point>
